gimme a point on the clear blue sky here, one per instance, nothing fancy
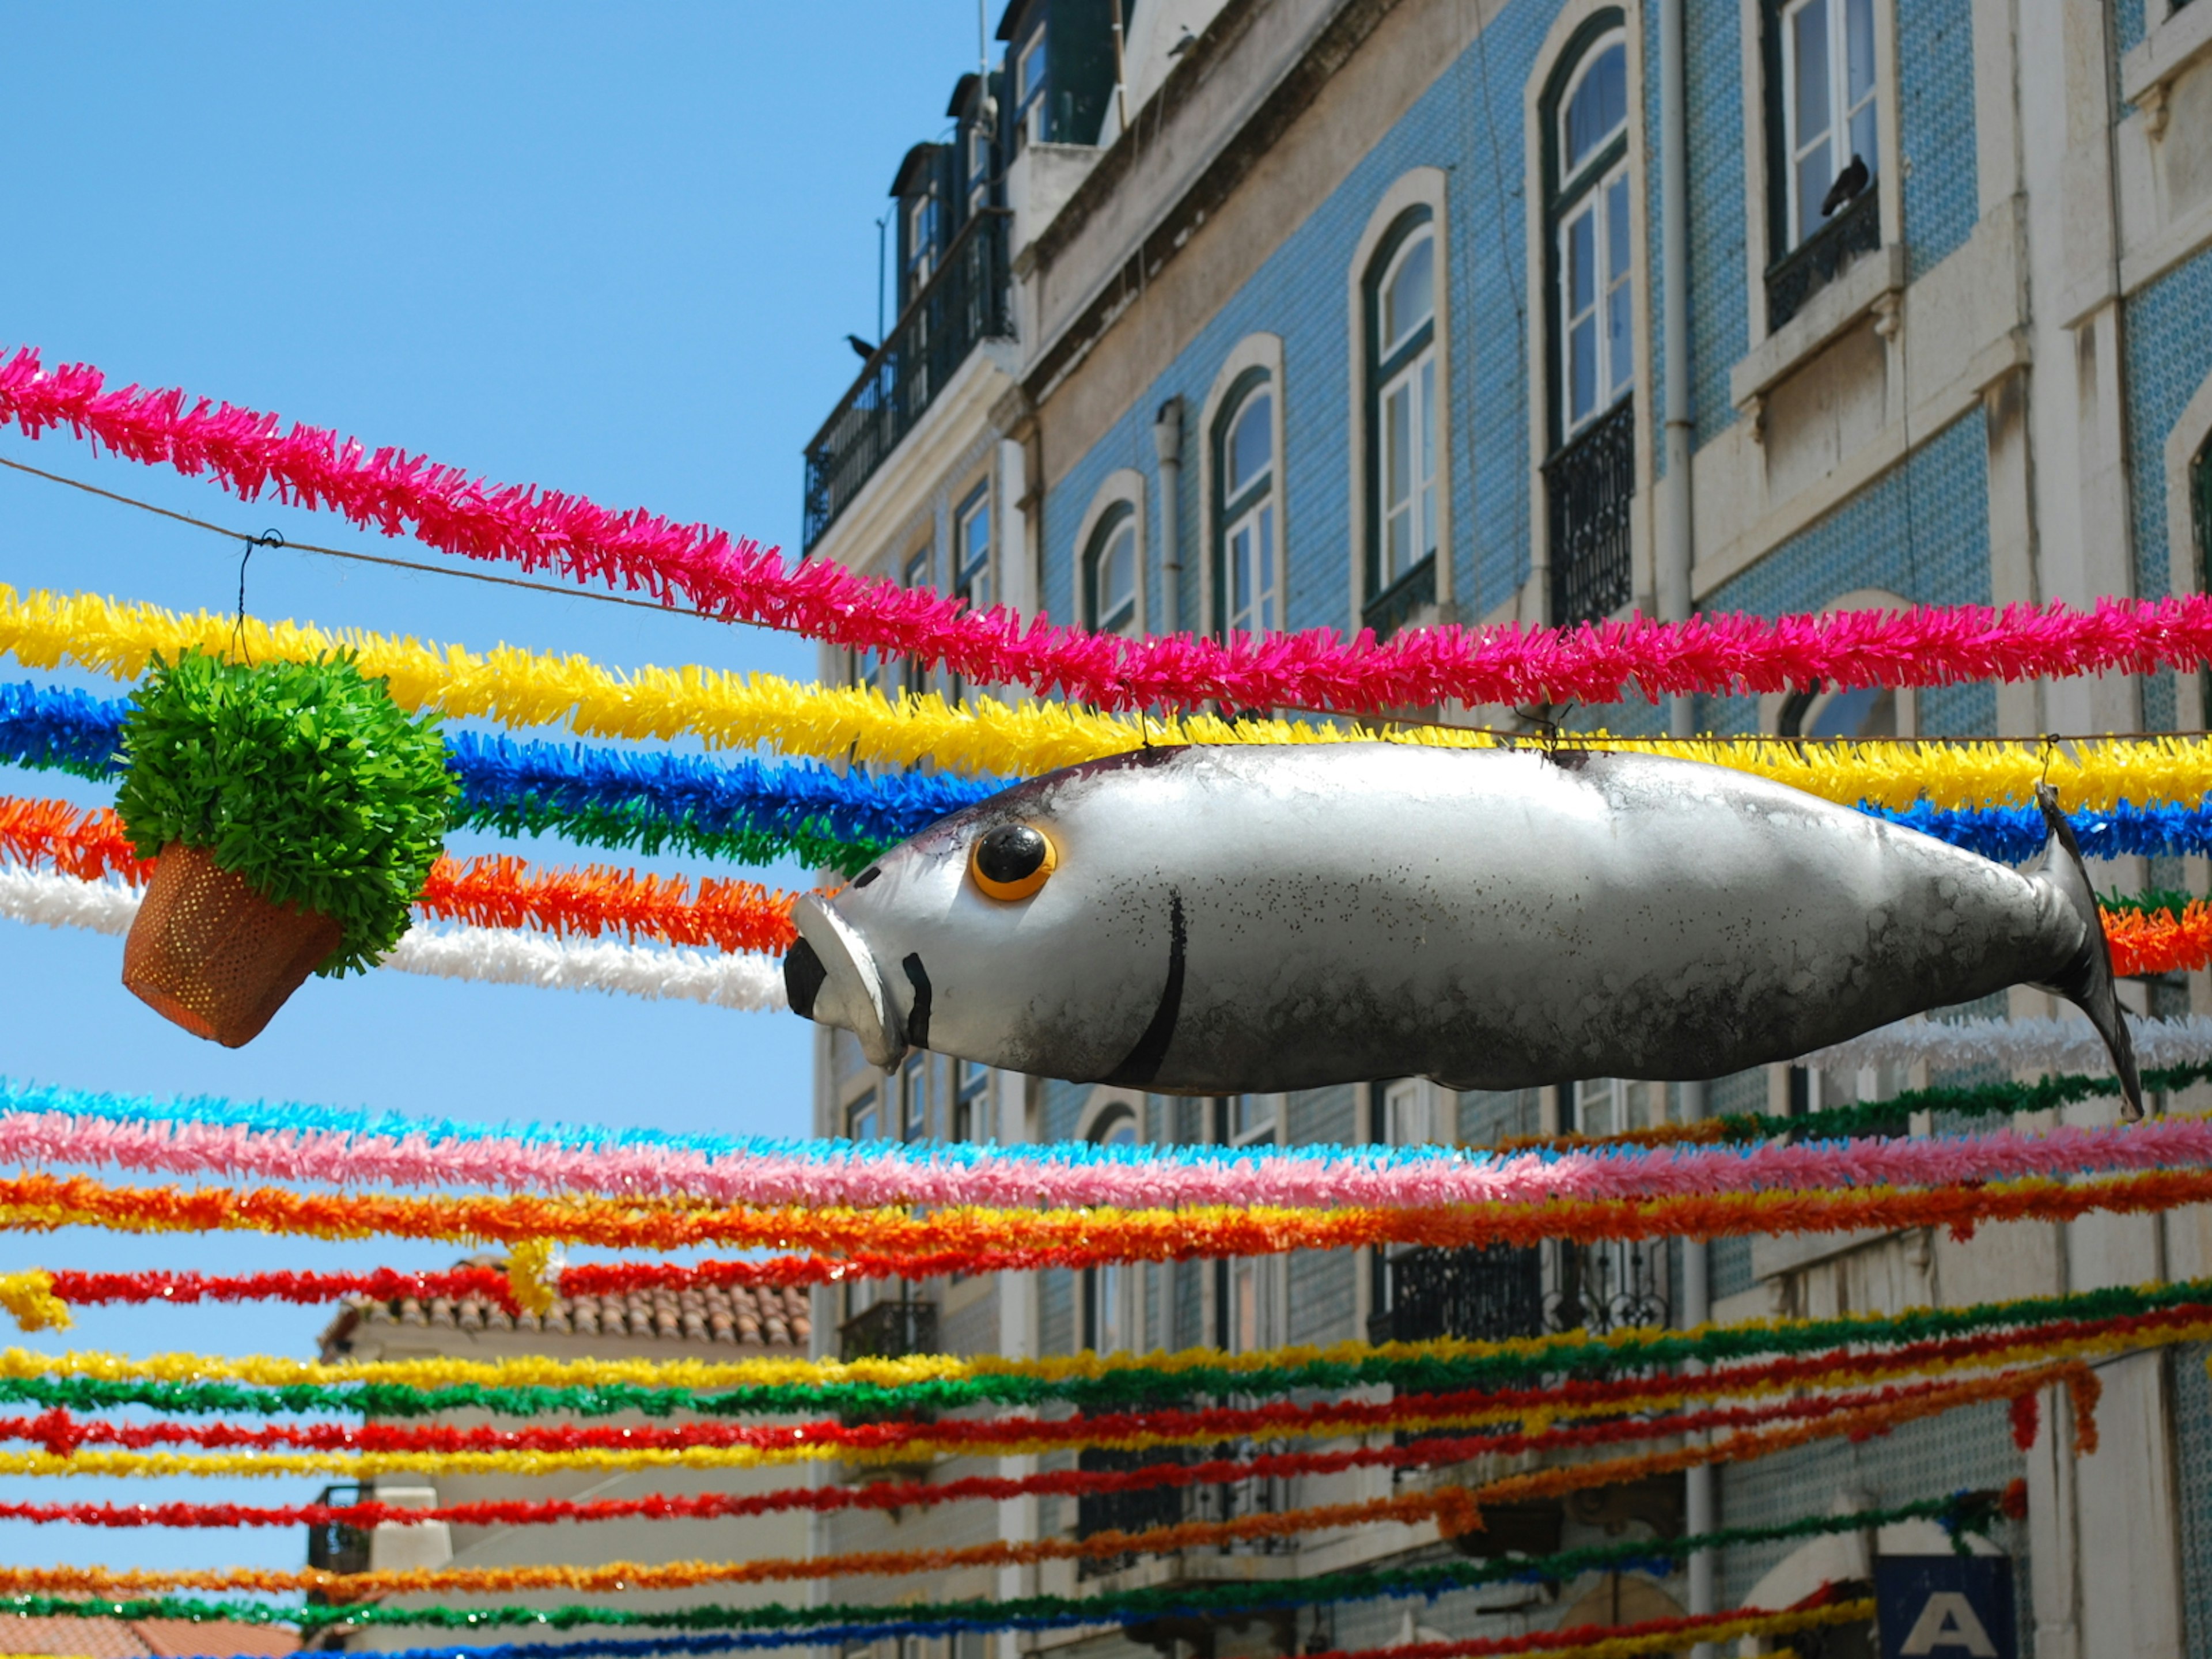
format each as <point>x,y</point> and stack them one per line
<point>612,250</point>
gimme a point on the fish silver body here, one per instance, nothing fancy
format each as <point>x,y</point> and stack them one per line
<point>1253,919</point>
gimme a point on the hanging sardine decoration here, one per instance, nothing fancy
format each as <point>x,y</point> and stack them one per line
<point>1245,919</point>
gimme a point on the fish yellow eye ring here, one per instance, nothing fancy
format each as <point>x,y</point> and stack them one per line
<point>1011,861</point>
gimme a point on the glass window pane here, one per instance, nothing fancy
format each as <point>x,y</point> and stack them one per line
<point>1808,37</point>
<point>1616,227</point>
<point>1118,583</point>
<point>1866,143</point>
<point>1397,451</point>
<point>1428,419</point>
<point>1251,445</point>
<point>1599,107</point>
<point>1581,370</point>
<point>1620,358</point>
<point>1582,262</point>
<point>1814,175</point>
<point>1263,588</point>
<point>1858,48</point>
<point>1240,573</point>
<point>1410,296</point>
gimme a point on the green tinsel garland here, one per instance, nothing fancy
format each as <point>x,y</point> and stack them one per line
<point>1134,1387</point>
<point>1982,1100</point>
<point>1960,1513</point>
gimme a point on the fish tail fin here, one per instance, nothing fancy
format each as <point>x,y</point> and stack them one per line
<point>2087,980</point>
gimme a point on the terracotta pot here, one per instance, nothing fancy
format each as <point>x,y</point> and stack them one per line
<point>213,955</point>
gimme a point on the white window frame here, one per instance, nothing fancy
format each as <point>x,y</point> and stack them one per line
<point>974,579</point>
<point>1032,69</point>
<point>1251,602</point>
<point>1415,384</point>
<point>1841,111</point>
<point>1231,386</point>
<point>1422,192</point>
<point>1589,196</point>
<point>1113,1294</point>
<point>1122,489</point>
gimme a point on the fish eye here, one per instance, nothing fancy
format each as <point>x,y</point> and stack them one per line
<point>1011,861</point>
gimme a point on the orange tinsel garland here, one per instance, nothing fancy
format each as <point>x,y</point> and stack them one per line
<point>490,891</point>
<point>1455,1509</point>
<point>1029,1239</point>
<point>2158,942</point>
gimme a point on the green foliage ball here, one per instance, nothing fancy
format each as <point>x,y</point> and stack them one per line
<point>303,777</point>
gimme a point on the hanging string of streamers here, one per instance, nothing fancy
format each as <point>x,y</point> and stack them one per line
<point>68,1449</point>
<point>1962,1515</point>
<point>704,568</point>
<point>923,1163</point>
<point>855,724</point>
<point>752,813</point>
<point>1456,1510</point>
<point>653,802</point>
<point>1143,1181</point>
<point>1890,1116</point>
<point>490,891</point>
<point>1581,1642</point>
<point>2016,1045</point>
<point>489,956</point>
<point>1028,1241</point>
<point>1626,1411</point>
<point>531,1385</point>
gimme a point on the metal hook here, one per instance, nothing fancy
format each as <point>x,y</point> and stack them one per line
<point>266,538</point>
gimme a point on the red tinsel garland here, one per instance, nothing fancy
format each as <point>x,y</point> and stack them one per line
<point>442,506</point>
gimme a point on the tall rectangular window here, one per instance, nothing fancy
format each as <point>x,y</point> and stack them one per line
<point>1829,106</point>
<point>1246,596</point>
<point>972,537</point>
<point>1402,375</point>
<point>1029,78</point>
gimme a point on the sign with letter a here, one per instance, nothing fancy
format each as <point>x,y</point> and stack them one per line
<point>1945,1606</point>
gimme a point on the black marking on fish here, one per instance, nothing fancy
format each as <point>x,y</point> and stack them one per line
<point>1143,1063</point>
<point>917,1023</point>
<point>867,875</point>
<point>803,976</point>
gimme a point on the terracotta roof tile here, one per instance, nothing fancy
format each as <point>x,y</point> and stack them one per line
<point>100,1638</point>
<point>173,1638</point>
<point>731,1316</point>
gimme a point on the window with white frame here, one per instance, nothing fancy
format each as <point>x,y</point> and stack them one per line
<point>1830,106</point>
<point>863,1123</point>
<point>972,539</point>
<point>1246,599</point>
<point>913,1098</point>
<point>1409,1114</point>
<point>1029,78</point>
<point>1401,411</point>
<point>1110,572</point>
<point>1612,1106</point>
<point>1110,1313</point>
<point>920,241</point>
<point>973,1119</point>
<point>914,676</point>
<point>1250,1286</point>
<point>1594,301</point>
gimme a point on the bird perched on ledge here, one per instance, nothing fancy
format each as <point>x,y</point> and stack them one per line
<point>1849,183</point>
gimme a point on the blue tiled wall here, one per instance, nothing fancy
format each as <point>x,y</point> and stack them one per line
<point>1935,121</point>
<point>2167,329</point>
<point>1720,315</point>
<point>1921,531</point>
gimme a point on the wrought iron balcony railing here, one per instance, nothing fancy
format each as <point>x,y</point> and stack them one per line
<point>1137,1508</point>
<point>333,1547</point>
<point>1590,484</point>
<point>889,1329</point>
<point>967,299</point>
<point>1813,263</point>
<point>1503,1291</point>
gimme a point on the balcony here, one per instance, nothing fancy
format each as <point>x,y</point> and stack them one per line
<point>1143,1507</point>
<point>1502,1290</point>
<point>966,301</point>
<point>889,1329</point>
<point>1815,262</point>
<point>332,1547</point>
<point>1590,484</point>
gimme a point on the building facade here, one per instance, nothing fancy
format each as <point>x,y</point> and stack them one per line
<point>709,1325</point>
<point>1267,314</point>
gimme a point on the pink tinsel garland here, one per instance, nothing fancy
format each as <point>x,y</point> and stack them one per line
<point>738,580</point>
<point>872,1178</point>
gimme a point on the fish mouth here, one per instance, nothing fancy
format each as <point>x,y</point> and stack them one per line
<point>831,978</point>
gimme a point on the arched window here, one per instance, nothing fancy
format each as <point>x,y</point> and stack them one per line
<point>1402,403</point>
<point>1246,599</point>
<point>1593,302</point>
<point>1589,311</point>
<point>1110,572</point>
<point>1109,1290</point>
